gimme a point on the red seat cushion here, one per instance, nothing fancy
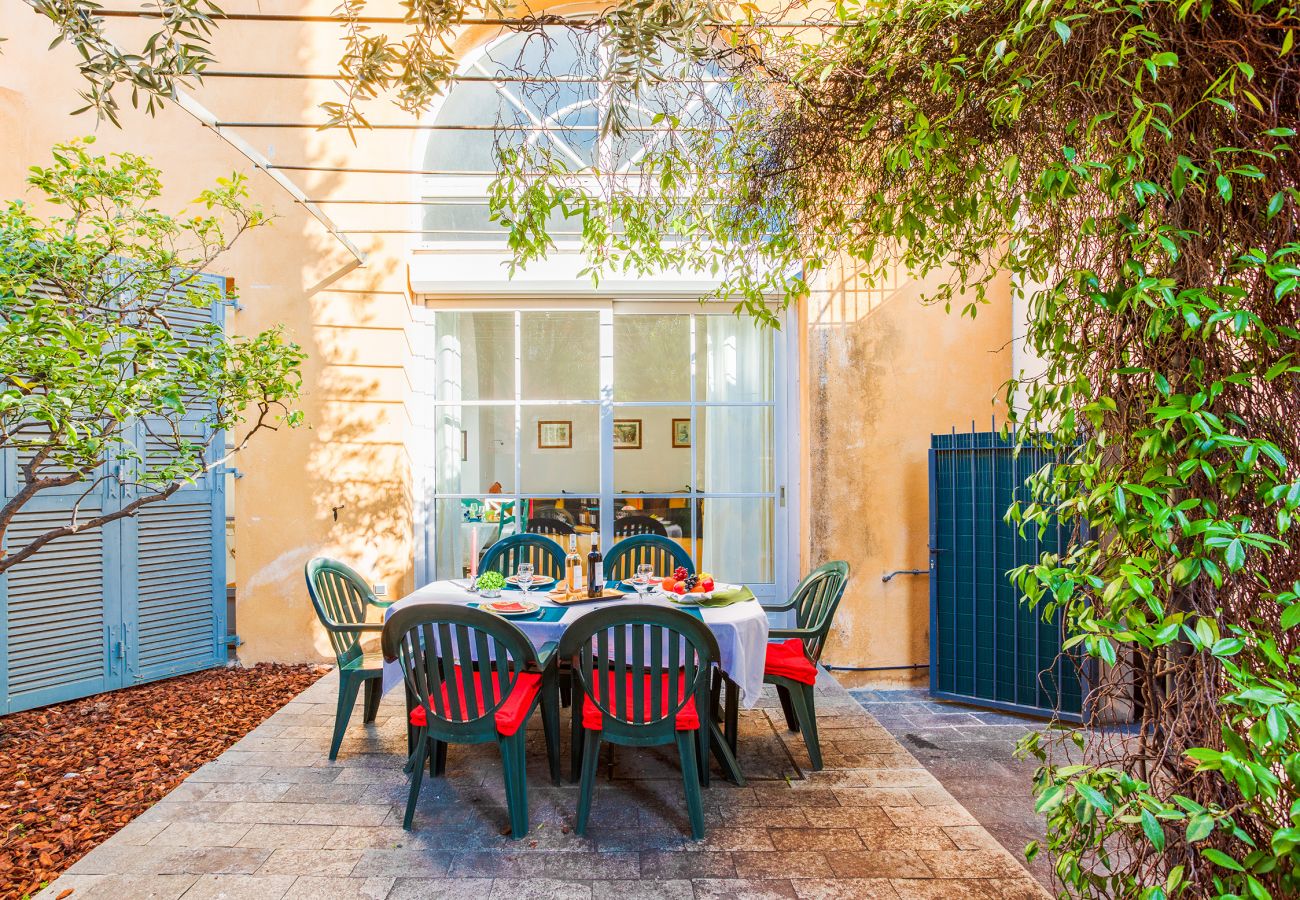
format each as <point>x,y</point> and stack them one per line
<point>788,660</point>
<point>687,717</point>
<point>510,716</point>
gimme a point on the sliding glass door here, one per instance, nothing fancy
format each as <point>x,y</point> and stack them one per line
<point>614,419</point>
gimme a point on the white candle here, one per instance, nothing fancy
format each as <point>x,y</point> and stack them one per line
<point>473,551</point>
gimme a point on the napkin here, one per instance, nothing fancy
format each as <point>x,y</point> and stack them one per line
<point>729,596</point>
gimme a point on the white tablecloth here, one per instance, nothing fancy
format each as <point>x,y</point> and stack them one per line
<point>741,631</point>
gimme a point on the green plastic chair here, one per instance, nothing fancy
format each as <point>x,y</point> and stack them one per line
<point>341,597</point>
<point>663,553</point>
<point>641,677</point>
<point>506,554</point>
<point>481,683</point>
<point>792,665</point>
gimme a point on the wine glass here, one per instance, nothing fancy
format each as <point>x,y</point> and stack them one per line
<point>642,581</point>
<point>524,577</point>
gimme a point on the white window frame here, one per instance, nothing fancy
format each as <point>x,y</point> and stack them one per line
<point>784,495</point>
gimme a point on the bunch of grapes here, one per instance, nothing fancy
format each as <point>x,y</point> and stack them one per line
<point>679,573</point>
<point>691,582</point>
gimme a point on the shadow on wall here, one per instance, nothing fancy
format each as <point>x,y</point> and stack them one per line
<point>853,346</point>
<point>341,486</point>
<point>359,468</point>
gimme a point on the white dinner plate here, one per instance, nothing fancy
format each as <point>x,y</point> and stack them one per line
<point>509,608</point>
<point>539,582</point>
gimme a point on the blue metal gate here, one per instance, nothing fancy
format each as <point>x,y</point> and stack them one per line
<point>139,599</point>
<point>986,647</point>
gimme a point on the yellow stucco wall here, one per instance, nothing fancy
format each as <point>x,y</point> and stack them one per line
<point>880,371</point>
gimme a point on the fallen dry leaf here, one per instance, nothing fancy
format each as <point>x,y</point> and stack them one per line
<point>75,773</point>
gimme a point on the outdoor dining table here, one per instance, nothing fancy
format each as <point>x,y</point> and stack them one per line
<point>741,630</point>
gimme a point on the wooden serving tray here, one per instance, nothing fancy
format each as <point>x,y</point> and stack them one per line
<point>608,594</point>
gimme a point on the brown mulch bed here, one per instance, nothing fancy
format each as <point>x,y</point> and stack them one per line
<point>73,774</point>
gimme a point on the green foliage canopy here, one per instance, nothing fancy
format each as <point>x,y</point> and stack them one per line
<point>1131,165</point>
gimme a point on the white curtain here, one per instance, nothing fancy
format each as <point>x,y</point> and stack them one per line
<point>736,447</point>
<point>456,370</point>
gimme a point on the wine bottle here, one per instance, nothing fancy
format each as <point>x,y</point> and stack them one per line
<point>595,568</point>
<point>573,580</point>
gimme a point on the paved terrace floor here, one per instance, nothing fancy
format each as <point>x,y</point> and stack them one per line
<point>972,753</point>
<point>273,818</point>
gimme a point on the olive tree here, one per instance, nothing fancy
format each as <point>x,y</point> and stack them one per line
<point>98,356</point>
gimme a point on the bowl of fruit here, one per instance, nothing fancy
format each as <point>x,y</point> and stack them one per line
<point>685,587</point>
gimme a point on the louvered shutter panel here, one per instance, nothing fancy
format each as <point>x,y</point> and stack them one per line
<point>180,591</point>
<point>176,554</point>
<point>60,621</point>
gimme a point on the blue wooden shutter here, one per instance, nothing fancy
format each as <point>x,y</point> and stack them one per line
<point>61,628</point>
<point>59,622</point>
<point>175,553</point>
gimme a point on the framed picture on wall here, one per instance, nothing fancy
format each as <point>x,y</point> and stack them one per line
<point>681,433</point>
<point>627,434</point>
<point>555,434</point>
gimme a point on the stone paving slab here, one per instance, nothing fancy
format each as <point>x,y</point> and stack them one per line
<point>274,819</point>
<point>971,752</point>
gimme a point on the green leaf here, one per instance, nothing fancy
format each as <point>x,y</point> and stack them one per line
<point>1276,724</point>
<point>1061,29</point>
<point>1227,647</point>
<point>1266,696</point>
<point>1275,203</point>
<point>1199,827</point>
<point>1049,799</point>
<point>1221,859</point>
<point>1155,834</point>
<point>1094,797</point>
<point>1235,555</point>
<point>1186,570</point>
<point>1291,616</point>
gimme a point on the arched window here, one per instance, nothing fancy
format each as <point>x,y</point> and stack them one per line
<point>547,89</point>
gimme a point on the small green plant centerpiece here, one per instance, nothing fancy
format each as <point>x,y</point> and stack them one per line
<point>489,584</point>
